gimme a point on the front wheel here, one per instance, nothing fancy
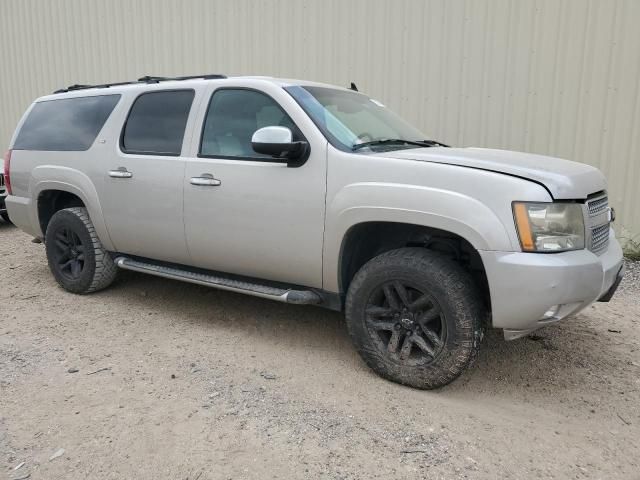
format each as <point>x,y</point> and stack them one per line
<point>5,217</point>
<point>76,256</point>
<point>415,317</point>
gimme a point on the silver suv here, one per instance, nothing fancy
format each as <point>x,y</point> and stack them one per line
<point>312,194</point>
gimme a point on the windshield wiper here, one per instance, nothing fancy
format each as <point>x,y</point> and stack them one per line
<point>387,141</point>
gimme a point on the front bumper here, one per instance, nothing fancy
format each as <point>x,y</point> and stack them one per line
<point>526,286</point>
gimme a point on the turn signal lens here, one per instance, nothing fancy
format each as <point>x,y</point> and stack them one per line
<point>524,227</point>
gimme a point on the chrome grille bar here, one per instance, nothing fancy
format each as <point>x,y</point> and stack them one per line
<point>598,205</point>
<point>600,238</point>
<point>598,223</point>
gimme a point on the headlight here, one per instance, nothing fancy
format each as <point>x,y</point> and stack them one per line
<point>549,227</point>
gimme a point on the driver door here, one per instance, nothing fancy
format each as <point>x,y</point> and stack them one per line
<point>256,217</point>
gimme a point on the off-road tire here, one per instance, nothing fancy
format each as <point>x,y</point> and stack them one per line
<point>5,217</point>
<point>454,290</point>
<point>98,271</point>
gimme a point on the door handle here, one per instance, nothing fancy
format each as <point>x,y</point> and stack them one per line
<point>121,172</point>
<point>205,180</point>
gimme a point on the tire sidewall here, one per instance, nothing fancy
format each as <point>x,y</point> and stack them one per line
<point>68,219</point>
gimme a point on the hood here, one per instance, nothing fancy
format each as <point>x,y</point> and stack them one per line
<point>564,179</point>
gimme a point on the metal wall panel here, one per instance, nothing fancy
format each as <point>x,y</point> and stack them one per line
<point>558,77</point>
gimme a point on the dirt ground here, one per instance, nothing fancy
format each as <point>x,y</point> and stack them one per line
<point>178,381</point>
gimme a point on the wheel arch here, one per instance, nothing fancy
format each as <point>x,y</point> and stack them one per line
<point>57,187</point>
<point>51,201</point>
<point>366,240</point>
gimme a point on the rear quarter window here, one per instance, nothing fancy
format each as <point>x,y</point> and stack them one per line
<point>68,124</point>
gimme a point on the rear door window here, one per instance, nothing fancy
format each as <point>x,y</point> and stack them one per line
<point>68,124</point>
<point>157,122</point>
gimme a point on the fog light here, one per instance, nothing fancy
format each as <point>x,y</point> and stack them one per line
<point>551,313</point>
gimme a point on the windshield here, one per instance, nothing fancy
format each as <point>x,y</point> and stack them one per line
<point>352,121</point>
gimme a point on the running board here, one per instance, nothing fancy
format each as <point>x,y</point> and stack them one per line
<point>300,297</point>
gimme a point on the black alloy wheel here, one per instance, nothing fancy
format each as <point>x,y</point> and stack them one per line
<point>406,323</point>
<point>69,253</point>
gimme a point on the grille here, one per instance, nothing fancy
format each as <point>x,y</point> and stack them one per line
<point>598,205</point>
<point>599,237</point>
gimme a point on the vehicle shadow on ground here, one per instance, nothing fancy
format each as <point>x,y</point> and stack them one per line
<point>558,356</point>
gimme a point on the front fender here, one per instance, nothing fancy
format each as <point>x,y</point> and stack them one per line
<point>411,204</point>
<point>53,177</point>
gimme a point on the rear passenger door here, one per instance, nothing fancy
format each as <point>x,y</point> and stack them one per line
<point>143,192</point>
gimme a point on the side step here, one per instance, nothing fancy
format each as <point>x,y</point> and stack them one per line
<point>300,297</point>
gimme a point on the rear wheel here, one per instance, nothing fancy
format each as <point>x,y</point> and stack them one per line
<point>415,317</point>
<point>76,257</point>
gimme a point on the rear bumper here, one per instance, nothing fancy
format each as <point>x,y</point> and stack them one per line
<point>531,290</point>
<point>22,215</point>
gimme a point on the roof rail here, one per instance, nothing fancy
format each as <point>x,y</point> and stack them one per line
<point>145,79</point>
<point>153,79</point>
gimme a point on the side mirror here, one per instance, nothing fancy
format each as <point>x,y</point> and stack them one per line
<point>278,142</point>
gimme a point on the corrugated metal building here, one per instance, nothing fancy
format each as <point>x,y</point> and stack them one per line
<point>558,77</point>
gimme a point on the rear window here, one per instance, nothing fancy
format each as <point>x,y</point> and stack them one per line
<point>156,123</point>
<point>68,124</point>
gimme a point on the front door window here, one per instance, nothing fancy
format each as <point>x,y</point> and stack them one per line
<point>233,117</point>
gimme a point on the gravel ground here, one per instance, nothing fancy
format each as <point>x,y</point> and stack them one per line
<point>158,379</point>
<point>631,283</point>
